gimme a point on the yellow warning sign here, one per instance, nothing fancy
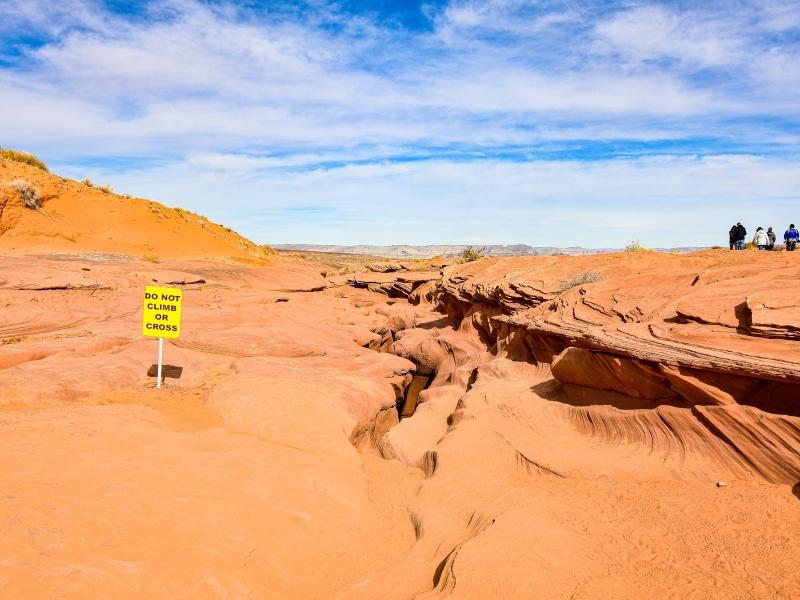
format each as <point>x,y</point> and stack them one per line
<point>161,316</point>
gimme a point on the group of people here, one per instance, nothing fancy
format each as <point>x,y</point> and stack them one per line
<point>764,240</point>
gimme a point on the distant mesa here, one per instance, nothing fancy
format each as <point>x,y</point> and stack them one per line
<point>406,251</point>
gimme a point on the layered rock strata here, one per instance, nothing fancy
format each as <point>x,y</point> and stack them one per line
<point>712,335</point>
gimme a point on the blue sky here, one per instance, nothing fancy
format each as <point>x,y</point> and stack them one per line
<point>548,123</point>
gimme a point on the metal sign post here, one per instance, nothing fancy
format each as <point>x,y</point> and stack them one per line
<point>160,360</point>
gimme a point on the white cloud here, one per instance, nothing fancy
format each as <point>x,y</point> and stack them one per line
<point>653,32</point>
<point>664,201</point>
<point>208,74</point>
<point>779,16</point>
<point>738,42</point>
<point>34,16</point>
<point>511,17</point>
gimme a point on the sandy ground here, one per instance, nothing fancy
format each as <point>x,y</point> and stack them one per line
<point>241,478</point>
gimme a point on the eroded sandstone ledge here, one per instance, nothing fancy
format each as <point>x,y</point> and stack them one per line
<point>665,346</point>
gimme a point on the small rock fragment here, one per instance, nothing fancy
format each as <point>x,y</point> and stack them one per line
<point>721,484</point>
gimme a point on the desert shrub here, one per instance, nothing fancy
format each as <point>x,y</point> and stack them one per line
<point>580,279</point>
<point>23,157</point>
<point>105,188</point>
<point>469,254</point>
<point>27,193</point>
<point>717,248</point>
<point>268,250</point>
<point>635,246</point>
<point>153,258</point>
<point>88,182</point>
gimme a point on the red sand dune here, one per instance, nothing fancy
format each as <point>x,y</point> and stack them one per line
<point>80,218</point>
<point>557,443</point>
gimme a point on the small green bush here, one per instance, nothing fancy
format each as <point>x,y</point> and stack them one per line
<point>470,254</point>
<point>23,157</point>
<point>580,279</point>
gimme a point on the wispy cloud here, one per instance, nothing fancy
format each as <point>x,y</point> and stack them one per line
<point>328,105</point>
<point>663,200</point>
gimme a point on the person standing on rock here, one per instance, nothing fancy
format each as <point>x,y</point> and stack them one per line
<point>790,237</point>
<point>760,239</point>
<point>732,237</point>
<point>771,237</point>
<point>739,236</point>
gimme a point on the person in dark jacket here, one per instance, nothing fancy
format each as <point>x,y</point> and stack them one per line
<point>732,237</point>
<point>791,237</point>
<point>739,236</point>
<point>770,239</point>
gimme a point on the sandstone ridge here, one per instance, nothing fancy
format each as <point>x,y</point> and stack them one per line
<point>709,338</point>
<point>79,218</point>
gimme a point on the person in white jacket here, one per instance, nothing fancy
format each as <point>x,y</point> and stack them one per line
<point>761,239</point>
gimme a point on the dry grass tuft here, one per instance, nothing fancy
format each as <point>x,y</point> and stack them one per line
<point>27,193</point>
<point>580,279</point>
<point>23,157</point>
<point>635,246</point>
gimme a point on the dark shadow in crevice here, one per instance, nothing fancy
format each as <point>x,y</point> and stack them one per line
<point>578,396</point>
<point>167,371</point>
<point>437,324</point>
<point>774,397</point>
<point>677,319</point>
<point>549,390</point>
<point>744,317</point>
<point>437,574</point>
<point>411,393</point>
<point>473,377</point>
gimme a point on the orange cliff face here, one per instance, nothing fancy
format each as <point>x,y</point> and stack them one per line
<point>79,218</point>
